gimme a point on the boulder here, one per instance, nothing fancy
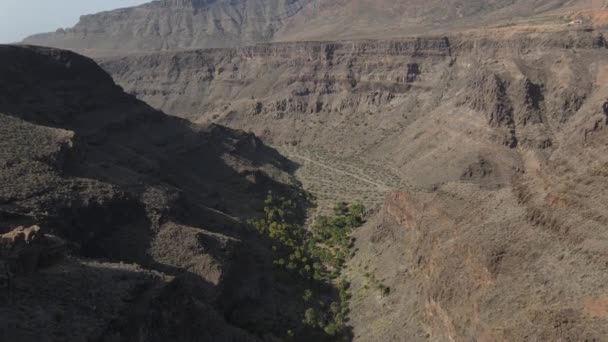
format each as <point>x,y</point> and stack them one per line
<point>24,250</point>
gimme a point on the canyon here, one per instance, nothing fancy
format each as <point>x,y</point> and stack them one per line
<point>474,132</point>
<point>485,154</point>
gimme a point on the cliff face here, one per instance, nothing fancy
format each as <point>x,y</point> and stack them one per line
<point>510,90</point>
<point>492,150</point>
<point>187,24</point>
<point>151,207</point>
<point>170,25</point>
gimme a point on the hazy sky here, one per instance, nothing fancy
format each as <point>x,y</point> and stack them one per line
<point>21,18</point>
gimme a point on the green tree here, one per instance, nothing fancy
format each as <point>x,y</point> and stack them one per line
<point>341,208</point>
<point>334,307</point>
<point>310,317</point>
<point>331,329</point>
<point>314,257</point>
<point>307,295</point>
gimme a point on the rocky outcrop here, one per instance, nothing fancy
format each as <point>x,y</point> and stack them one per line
<point>24,250</point>
<point>19,237</point>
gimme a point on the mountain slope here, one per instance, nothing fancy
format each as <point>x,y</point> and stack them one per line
<point>152,208</point>
<point>371,19</point>
<point>174,24</point>
<point>189,24</point>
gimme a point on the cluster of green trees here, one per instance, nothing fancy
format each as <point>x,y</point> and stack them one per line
<point>280,225</point>
<point>331,234</point>
<point>330,318</point>
<point>313,258</point>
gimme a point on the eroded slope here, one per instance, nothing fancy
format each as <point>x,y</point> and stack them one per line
<point>165,25</point>
<point>171,25</point>
<point>498,144</point>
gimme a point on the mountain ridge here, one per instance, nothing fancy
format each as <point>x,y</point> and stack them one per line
<point>176,24</point>
<point>185,24</point>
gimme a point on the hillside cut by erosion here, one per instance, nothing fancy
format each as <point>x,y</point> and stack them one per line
<point>485,154</point>
<point>166,25</point>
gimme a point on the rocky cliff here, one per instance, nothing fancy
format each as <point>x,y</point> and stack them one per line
<point>189,24</point>
<point>370,97</point>
<point>171,24</point>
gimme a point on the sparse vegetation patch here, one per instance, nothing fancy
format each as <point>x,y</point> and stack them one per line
<point>312,259</point>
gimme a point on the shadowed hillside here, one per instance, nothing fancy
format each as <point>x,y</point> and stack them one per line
<point>122,182</point>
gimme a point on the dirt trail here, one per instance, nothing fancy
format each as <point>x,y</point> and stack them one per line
<point>380,186</point>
